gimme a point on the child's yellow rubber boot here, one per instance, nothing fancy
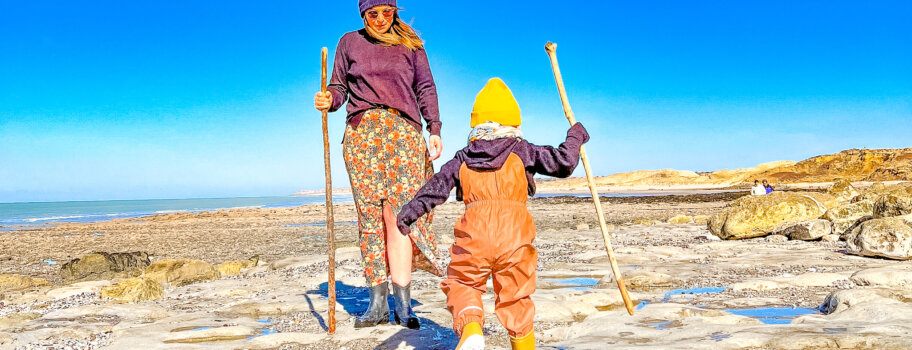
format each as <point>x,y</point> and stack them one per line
<point>526,342</point>
<point>472,337</point>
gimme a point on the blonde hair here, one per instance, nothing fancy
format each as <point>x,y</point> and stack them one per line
<point>398,34</point>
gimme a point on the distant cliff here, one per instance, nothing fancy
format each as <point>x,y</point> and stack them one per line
<point>853,165</point>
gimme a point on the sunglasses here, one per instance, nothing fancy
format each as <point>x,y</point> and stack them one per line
<point>388,13</point>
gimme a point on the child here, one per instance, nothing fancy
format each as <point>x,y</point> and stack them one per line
<point>493,176</point>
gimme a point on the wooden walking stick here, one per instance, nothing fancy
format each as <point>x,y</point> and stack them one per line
<point>551,48</point>
<point>331,287</point>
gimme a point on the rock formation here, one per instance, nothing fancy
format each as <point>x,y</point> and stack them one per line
<point>755,216</point>
<point>180,272</point>
<point>104,266</point>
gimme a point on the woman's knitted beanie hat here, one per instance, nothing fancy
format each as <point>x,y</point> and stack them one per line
<point>365,5</point>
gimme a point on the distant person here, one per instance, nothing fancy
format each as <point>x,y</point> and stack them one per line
<point>493,175</point>
<point>767,187</point>
<point>758,189</point>
<point>382,71</point>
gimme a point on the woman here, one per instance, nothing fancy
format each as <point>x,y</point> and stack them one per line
<point>384,73</point>
<point>767,187</point>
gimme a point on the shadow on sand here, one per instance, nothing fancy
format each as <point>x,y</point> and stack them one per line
<point>354,301</point>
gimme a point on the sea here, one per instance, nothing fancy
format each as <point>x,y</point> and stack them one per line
<point>26,215</point>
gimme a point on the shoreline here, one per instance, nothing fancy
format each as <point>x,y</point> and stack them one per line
<point>38,221</point>
<point>82,217</point>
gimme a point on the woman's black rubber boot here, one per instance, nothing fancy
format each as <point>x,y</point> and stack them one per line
<point>378,310</point>
<point>403,313</point>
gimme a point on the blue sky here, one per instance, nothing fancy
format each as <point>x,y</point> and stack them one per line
<point>168,99</point>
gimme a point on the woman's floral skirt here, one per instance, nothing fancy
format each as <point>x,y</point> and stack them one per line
<point>387,162</point>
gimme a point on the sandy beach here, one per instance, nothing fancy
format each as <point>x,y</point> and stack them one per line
<point>693,290</point>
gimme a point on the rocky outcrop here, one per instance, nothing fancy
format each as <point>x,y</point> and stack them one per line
<point>756,216</point>
<point>886,237</point>
<point>893,204</point>
<point>16,282</point>
<point>870,305</point>
<point>134,290</point>
<point>808,230</point>
<point>892,277</point>
<point>644,222</point>
<point>104,266</point>
<point>825,199</point>
<point>879,190</point>
<point>180,272</point>
<point>681,219</point>
<point>842,190</point>
<point>847,214</point>
<point>233,268</point>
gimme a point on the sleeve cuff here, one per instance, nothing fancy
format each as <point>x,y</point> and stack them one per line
<point>577,130</point>
<point>338,99</point>
<point>434,128</point>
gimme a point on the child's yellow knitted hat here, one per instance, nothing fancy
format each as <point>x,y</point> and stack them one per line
<point>495,103</point>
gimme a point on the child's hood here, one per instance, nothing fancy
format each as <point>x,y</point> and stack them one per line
<point>489,154</point>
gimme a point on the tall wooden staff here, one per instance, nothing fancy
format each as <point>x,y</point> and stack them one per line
<point>330,227</point>
<point>551,48</point>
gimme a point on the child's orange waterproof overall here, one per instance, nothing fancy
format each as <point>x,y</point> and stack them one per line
<point>493,175</point>
<point>493,239</point>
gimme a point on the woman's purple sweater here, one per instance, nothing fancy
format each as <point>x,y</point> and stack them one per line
<point>370,75</point>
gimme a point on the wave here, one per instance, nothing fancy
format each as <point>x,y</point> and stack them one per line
<point>79,218</point>
<point>57,218</point>
<point>170,212</point>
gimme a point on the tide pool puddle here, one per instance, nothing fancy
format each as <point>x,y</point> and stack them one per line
<point>578,283</point>
<point>663,325</point>
<point>719,336</point>
<point>263,331</point>
<point>693,291</point>
<point>773,315</point>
